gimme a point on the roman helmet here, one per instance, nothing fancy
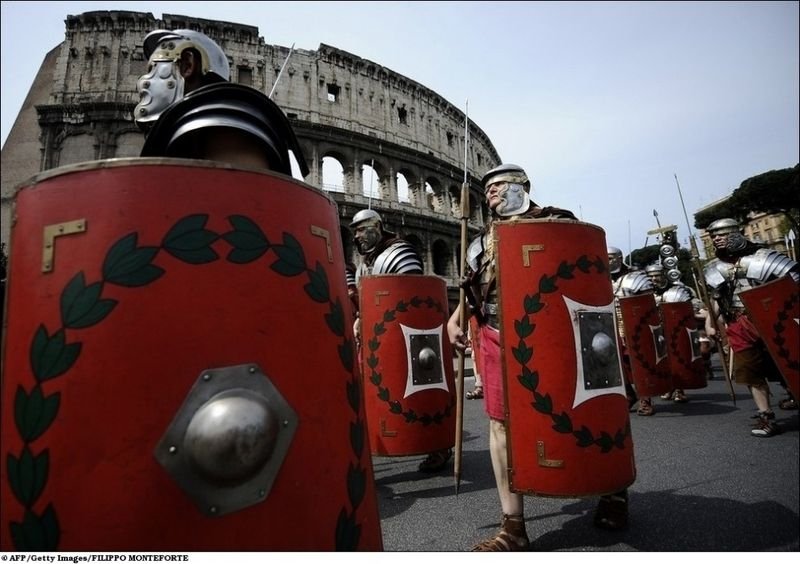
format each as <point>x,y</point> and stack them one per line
<point>730,227</point>
<point>614,259</point>
<point>163,83</point>
<point>515,195</point>
<point>371,224</point>
<point>655,272</point>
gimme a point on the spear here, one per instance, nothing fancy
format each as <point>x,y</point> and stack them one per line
<point>462,318</point>
<point>271,92</point>
<point>706,297</point>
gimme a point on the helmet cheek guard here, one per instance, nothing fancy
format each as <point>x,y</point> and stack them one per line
<point>515,200</point>
<point>161,87</point>
<point>163,84</point>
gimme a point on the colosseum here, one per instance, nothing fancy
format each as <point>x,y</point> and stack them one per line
<point>371,137</point>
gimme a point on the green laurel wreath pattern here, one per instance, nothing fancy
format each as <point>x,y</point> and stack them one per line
<point>529,379</point>
<point>780,327</point>
<point>376,377</point>
<point>130,265</point>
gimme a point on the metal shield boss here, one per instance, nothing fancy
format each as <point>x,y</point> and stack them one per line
<point>179,370</point>
<point>681,329</point>
<point>567,415</point>
<point>407,364</point>
<point>774,308</point>
<point>646,344</point>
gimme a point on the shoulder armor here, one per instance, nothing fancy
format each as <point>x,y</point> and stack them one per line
<point>474,251</point>
<point>635,283</point>
<point>767,264</point>
<point>677,293</point>
<point>232,106</point>
<point>715,273</point>
<point>399,258</point>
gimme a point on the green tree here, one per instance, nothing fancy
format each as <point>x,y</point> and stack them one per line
<point>772,192</point>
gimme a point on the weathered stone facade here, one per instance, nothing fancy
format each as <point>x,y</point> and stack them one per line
<point>342,107</point>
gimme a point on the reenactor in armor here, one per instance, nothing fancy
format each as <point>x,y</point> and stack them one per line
<point>507,191</point>
<point>628,282</point>
<point>230,438</point>
<point>666,292</point>
<point>740,265</point>
<point>386,253</point>
<point>383,251</point>
<point>189,109</point>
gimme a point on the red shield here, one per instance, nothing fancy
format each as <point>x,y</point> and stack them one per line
<point>647,346</point>
<point>568,427</point>
<point>179,366</point>
<point>774,308</point>
<point>686,364</point>
<point>407,363</point>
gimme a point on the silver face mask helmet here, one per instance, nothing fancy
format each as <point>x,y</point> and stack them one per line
<point>163,84</point>
<point>515,194</point>
<point>730,227</point>
<point>614,259</point>
<point>369,221</point>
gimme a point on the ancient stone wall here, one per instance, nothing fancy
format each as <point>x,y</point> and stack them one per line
<point>349,113</point>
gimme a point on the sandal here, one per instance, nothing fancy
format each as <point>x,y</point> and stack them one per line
<point>436,461</point>
<point>511,537</point>
<point>612,512</point>
<point>645,408</point>
<point>477,393</point>
<point>679,397</point>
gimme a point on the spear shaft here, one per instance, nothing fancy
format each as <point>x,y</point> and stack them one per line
<point>462,309</point>
<point>706,297</point>
<point>271,92</point>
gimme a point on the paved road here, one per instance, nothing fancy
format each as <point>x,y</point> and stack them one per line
<point>703,484</point>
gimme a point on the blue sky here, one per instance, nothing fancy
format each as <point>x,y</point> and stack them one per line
<point>602,102</point>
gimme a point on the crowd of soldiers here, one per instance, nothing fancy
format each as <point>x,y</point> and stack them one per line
<point>625,332</point>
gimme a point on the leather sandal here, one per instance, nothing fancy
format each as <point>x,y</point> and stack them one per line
<point>436,461</point>
<point>511,537</point>
<point>645,408</point>
<point>476,393</point>
<point>679,396</point>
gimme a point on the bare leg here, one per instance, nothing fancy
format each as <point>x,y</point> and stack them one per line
<point>510,502</point>
<point>761,396</point>
<point>512,535</point>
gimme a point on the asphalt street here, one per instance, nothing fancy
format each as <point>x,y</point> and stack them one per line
<point>703,484</point>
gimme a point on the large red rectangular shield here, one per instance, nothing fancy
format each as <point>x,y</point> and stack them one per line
<point>774,308</point>
<point>681,330</point>
<point>179,368</point>
<point>407,362</point>
<point>647,347</point>
<point>566,411</point>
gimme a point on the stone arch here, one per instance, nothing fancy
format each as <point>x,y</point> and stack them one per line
<point>405,179</point>
<point>383,185</point>
<point>129,144</point>
<point>442,258</point>
<point>78,148</point>
<point>455,200</point>
<point>418,245</point>
<point>436,195</point>
<point>333,179</point>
